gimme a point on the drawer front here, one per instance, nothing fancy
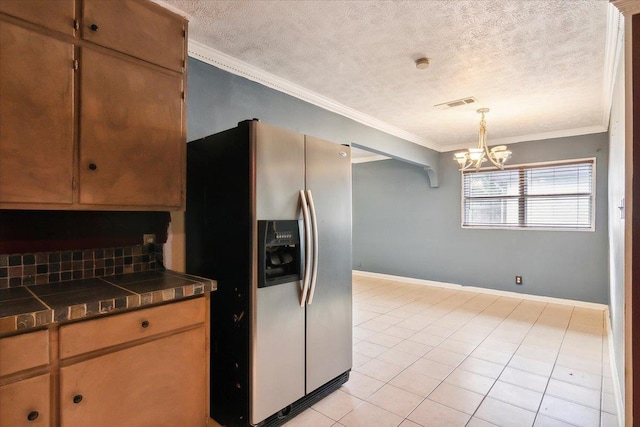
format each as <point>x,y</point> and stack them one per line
<point>25,403</point>
<point>136,28</point>
<point>95,334</point>
<point>24,351</point>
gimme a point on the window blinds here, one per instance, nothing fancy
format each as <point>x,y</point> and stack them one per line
<point>530,196</point>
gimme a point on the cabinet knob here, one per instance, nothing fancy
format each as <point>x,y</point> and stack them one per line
<point>93,27</point>
<point>33,415</point>
<point>145,323</point>
<point>77,398</point>
<point>93,166</point>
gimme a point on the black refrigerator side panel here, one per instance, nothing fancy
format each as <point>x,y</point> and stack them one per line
<point>218,229</point>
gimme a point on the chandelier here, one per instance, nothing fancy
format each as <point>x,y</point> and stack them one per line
<point>474,157</point>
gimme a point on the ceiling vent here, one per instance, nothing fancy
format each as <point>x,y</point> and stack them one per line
<point>456,103</point>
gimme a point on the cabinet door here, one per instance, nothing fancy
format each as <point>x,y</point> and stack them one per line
<point>25,403</point>
<point>160,383</point>
<point>57,15</point>
<point>131,138</point>
<point>139,29</point>
<point>36,111</point>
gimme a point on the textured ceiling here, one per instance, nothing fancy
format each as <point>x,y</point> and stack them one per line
<point>542,67</point>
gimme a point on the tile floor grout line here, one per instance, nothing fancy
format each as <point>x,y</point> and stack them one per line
<point>544,393</point>
<point>507,364</point>
<point>478,345</point>
<point>450,311</point>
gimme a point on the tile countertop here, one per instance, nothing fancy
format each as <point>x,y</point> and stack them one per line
<point>26,307</point>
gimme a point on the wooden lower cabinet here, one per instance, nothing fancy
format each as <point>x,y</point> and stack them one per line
<point>142,368</point>
<point>159,383</point>
<point>26,403</point>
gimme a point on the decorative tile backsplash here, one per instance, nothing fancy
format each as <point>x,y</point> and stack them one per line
<point>51,267</point>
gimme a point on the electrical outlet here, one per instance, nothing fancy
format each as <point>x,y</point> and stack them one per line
<point>148,239</point>
<point>518,280</point>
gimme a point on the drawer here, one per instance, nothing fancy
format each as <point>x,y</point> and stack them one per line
<point>25,403</point>
<point>90,335</point>
<point>24,351</point>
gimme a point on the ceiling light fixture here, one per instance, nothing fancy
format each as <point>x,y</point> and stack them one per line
<point>476,156</point>
<point>422,63</point>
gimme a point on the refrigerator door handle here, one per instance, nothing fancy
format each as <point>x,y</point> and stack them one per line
<point>314,226</point>
<point>307,249</point>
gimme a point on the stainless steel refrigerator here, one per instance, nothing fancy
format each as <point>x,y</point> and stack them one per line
<point>269,217</point>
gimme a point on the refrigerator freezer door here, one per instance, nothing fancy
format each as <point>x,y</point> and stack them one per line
<point>328,176</point>
<point>277,320</point>
<point>278,376</point>
<point>279,170</point>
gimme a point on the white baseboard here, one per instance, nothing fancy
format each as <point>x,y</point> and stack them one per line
<point>618,393</point>
<point>550,300</point>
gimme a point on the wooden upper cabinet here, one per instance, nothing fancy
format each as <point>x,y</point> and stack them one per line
<point>91,119</point>
<point>137,28</point>
<point>131,144</point>
<point>56,15</point>
<point>36,117</point>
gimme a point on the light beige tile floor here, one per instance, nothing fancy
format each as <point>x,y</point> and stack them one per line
<point>429,356</point>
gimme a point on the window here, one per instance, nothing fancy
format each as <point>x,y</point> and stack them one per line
<point>537,196</point>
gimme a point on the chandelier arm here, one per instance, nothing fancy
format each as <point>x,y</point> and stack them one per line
<point>490,157</point>
<point>474,157</point>
<point>467,165</point>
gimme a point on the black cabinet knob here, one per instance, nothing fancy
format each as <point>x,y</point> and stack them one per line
<point>77,398</point>
<point>32,415</point>
<point>93,27</point>
<point>93,166</point>
<point>145,324</point>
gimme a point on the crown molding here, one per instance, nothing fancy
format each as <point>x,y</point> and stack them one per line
<point>532,137</point>
<point>613,50</point>
<point>225,62</point>
<point>614,46</point>
<point>232,65</point>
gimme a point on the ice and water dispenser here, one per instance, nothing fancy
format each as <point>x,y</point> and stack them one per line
<point>279,252</point>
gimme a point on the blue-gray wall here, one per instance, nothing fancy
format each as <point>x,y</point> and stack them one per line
<point>218,100</point>
<point>403,227</point>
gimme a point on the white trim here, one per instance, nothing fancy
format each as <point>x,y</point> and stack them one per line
<point>532,137</point>
<point>228,63</point>
<point>371,158</point>
<point>529,297</point>
<point>617,387</point>
<point>612,53</point>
